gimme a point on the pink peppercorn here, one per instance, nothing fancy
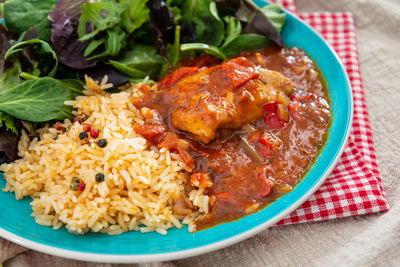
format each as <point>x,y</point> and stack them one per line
<point>81,186</point>
<point>94,133</point>
<point>86,127</point>
<point>78,119</point>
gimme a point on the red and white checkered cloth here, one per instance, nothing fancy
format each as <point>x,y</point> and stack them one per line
<point>355,185</point>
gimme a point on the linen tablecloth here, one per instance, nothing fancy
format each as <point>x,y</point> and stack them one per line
<point>364,240</point>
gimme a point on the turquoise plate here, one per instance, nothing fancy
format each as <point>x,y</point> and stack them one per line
<point>18,226</point>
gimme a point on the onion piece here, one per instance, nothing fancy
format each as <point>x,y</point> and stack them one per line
<point>250,149</point>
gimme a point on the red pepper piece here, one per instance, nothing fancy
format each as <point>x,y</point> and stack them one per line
<point>239,70</point>
<point>149,131</point>
<point>177,75</point>
<point>271,116</point>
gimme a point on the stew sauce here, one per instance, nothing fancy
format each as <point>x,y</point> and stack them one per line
<point>256,146</point>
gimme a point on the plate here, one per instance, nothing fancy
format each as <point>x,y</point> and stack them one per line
<point>18,226</point>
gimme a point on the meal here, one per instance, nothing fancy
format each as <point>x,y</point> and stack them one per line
<point>229,122</point>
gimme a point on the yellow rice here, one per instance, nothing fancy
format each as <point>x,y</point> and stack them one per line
<point>141,183</point>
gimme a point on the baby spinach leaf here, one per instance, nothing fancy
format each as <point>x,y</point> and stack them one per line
<point>37,100</point>
<point>75,86</point>
<point>44,46</point>
<point>203,14</point>
<point>135,15</point>
<point>138,62</point>
<point>244,42</point>
<point>64,37</point>
<point>10,77</point>
<point>21,15</point>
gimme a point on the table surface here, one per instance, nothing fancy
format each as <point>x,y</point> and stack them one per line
<point>364,240</point>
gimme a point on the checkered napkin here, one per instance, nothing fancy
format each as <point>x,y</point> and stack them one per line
<point>355,185</point>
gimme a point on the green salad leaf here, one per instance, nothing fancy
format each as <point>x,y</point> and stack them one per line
<point>9,122</point>
<point>18,47</point>
<point>135,15</point>
<point>21,15</point>
<point>37,100</point>
<point>138,62</point>
<point>203,14</point>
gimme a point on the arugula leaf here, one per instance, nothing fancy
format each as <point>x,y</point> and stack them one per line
<point>135,15</point>
<point>45,47</point>
<point>139,62</point>
<point>233,29</point>
<point>204,15</point>
<point>37,100</point>
<point>114,42</point>
<point>9,122</point>
<point>173,50</point>
<point>100,16</point>
<point>21,15</point>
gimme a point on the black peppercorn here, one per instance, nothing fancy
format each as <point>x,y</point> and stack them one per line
<point>102,143</point>
<point>99,177</point>
<point>74,183</point>
<point>83,135</point>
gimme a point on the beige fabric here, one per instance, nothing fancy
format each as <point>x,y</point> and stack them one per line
<point>371,240</point>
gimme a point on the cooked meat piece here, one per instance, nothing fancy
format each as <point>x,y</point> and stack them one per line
<point>219,97</point>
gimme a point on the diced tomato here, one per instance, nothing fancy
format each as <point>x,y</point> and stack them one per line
<point>297,104</point>
<point>270,143</point>
<point>271,140</point>
<point>149,131</point>
<point>239,70</point>
<point>201,179</point>
<point>186,157</point>
<point>177,75</point>
<point>265,187</point>
<point>271,116</point>
<point>172,142</point>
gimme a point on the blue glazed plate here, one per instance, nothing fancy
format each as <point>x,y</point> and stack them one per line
<point>18,226</point>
